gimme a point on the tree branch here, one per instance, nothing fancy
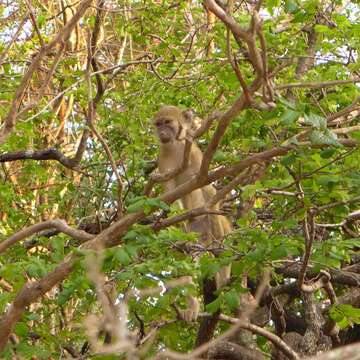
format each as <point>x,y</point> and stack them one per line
<point>49,224</point>
<point>314,85</point>
<point>49,154</point>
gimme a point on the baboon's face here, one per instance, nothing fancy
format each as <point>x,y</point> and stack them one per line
<point>166,129</point>
<point>167,123</point>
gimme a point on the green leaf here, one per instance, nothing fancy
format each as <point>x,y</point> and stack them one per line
<point>321,28</point>
<point>213,307</point>
<point>136,206</point>
<point>122,256</point>
<point>157,203</point>
<point>291,6</point>
<point>208,266</point>
<point>36,268</point>
<point>231,298</point>
<point>288,160</point>
<point>41,20</point>
<point>237,268</point>
<point>345,315</point>
<point>326,137</point>
<point>145,204</point>
<point>272,4</point>
<point>220,156</point>
<point>278,253</point>
<point>289,117</point>
<point>21,329</point>
<point>316,121</point>
<point>327,153</point>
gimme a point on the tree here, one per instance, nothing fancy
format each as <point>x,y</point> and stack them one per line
<point>95,263</point>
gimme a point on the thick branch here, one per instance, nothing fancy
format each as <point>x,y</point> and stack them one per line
<point>49,224</point>
<point>231,351</point>
<point>14,37</point>
<point>343,112</point>
<point>337,276</point>
<point>49,154</point>
<point>227,19</point>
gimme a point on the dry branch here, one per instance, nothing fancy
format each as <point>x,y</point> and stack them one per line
<point>49,154</point>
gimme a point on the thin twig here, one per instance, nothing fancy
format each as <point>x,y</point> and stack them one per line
<point>234,65</point>
<point>33,20</point>
<point>320,209</point>
<point>314,85</point>
<point>13,39</point>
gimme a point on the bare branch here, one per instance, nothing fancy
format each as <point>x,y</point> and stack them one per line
<point>308,229</point>
<point>112,236</point>
<point>336,203</point>
<point>47,80</point>
<point>240,104</point>
<point>206,124</point>
<point>191,214</point>
<point>317,284</point>
<point>237,324</point>
<point>337,276</point>
<point>347,130</point>
<point>113,69</point>
<point>227,19</point>
<point>49,154</point>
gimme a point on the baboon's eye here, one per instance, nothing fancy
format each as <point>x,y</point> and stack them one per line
<point>167,121</point>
